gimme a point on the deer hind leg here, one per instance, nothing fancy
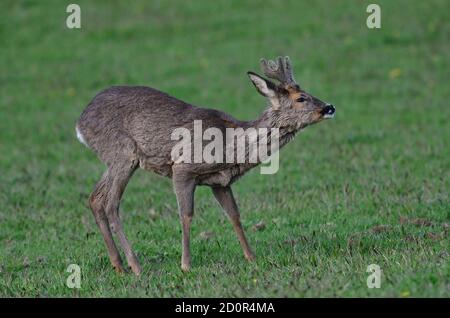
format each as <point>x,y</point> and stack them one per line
<point>121,174</point>
<point>97,203</point>
<point>225,197</point>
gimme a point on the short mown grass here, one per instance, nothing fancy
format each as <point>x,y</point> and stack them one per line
<point>369,187</point>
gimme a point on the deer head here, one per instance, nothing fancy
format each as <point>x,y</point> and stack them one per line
<point>291,107</point>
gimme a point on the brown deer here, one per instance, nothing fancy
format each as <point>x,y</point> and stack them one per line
<point>130,127</point>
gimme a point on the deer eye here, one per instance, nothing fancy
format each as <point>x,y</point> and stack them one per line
<point>301,99</point>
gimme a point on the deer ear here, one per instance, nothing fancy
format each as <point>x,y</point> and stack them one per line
<point>265,87</point>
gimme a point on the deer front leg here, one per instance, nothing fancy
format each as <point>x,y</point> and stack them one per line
<point>184,189</point>
<point>225,197</point>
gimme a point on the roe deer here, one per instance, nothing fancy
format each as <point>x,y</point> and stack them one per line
<point>130,127</point>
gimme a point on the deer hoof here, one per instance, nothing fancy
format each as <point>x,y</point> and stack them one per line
<point>250,257</point>
<point>185,267</point>
<point>136,269</point>
<point>119,269</point>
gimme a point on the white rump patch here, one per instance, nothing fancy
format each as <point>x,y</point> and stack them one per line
<point>80,137</point>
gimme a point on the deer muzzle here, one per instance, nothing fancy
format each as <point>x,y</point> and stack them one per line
<point>328,111</point>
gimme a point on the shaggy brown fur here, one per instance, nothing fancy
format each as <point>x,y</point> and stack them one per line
<point>130,128</point>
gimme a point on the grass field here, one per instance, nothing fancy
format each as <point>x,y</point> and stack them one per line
<point>369,187</point>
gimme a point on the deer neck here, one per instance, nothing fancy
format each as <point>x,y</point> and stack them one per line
<point>272,119</point>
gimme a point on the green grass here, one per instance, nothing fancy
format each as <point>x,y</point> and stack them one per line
<point>384,159</point>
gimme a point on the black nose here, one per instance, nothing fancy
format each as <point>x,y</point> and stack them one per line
<point>328,110</point>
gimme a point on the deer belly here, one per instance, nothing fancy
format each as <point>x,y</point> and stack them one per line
<point>157,165</point>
